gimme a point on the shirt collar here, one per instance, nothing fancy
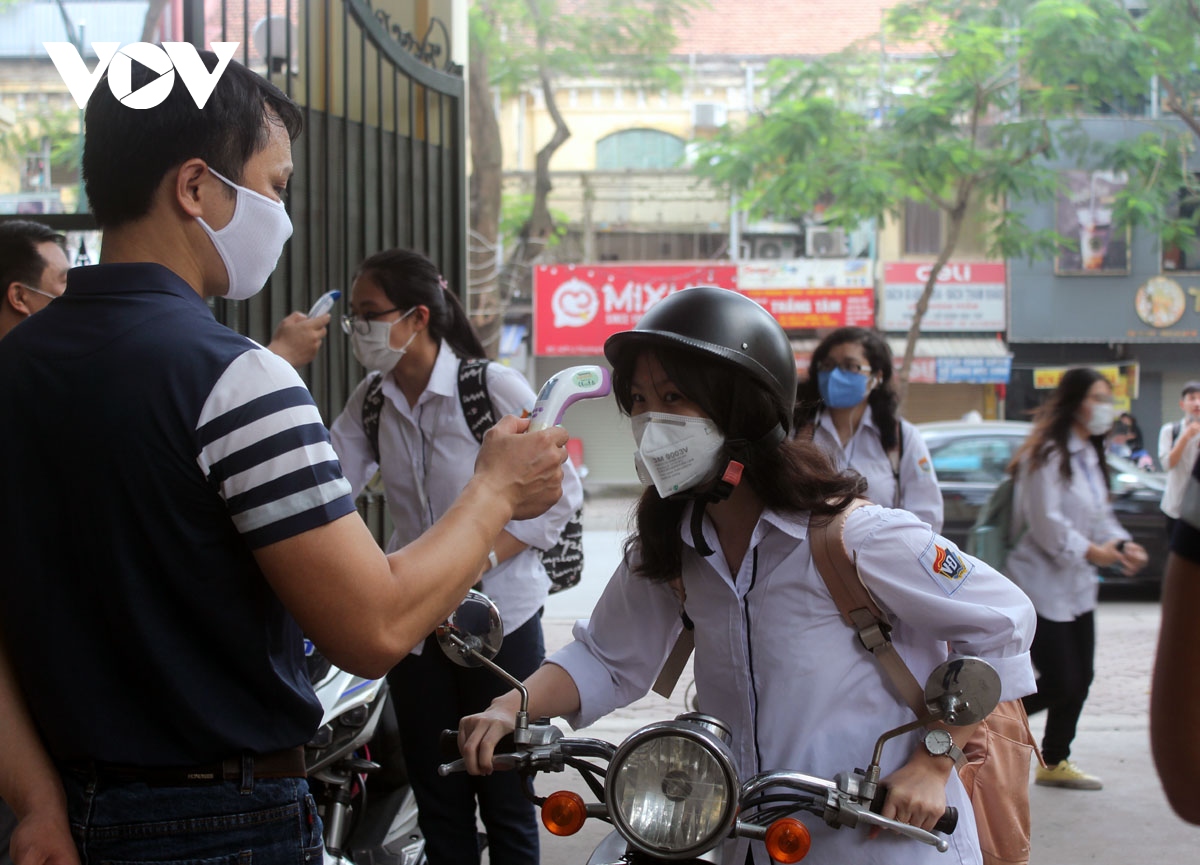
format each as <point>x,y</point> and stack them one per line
<point>135,278</point>
<point>443,381</point>
<point>793,525</point>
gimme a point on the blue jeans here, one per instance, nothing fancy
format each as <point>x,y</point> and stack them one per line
<point>431,693</point>
<point>275,823</point>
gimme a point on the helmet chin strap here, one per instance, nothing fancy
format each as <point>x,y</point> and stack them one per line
<point>720,489</point>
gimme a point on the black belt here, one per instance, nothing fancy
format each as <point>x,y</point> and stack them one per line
<point>277,764</point>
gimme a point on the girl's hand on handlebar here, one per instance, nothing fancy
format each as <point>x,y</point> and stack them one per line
<point>917,792</point>
<point>478,734</point>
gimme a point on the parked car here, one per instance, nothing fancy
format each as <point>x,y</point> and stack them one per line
<point>970,459</point>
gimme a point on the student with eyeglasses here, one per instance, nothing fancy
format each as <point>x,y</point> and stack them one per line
<point>406,420</point>
<point>849,407</point>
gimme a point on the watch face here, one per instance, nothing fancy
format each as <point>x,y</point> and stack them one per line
<point>938,742</point>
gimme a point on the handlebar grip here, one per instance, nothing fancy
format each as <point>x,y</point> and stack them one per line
<point>448,744</point>
<point>946,824</point>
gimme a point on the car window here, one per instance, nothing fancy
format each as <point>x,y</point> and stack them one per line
<point>974,460</point>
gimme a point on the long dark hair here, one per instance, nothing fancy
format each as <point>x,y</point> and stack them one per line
<point>882,399</point>
<point>794,476</point>
<point>410,279</point>
<point>1053,423</point>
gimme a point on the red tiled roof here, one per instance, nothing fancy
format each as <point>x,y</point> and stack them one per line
<point>779,27</point>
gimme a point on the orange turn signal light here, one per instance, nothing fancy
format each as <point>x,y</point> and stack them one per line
<point>563,813</point>
<point>788,840</point>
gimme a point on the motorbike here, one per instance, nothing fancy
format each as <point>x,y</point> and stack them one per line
<point>671,789</point>
<point>356,771</point>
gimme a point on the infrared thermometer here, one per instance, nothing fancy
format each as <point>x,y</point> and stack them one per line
<point>563,390</point>
<point>324,303</point>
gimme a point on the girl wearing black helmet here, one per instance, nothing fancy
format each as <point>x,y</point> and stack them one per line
<point>849,407</point>
<point>708,378</point>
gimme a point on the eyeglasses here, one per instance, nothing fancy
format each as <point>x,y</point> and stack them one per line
<point>828,365</point>
<point>361,324</point>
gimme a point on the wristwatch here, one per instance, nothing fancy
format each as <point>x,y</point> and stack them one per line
<point>939,743</point>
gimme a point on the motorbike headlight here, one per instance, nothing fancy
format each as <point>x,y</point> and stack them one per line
<point>672,789</point>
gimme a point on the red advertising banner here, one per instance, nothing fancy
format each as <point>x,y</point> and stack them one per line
<point>578,306</point>
<point>797,308</point>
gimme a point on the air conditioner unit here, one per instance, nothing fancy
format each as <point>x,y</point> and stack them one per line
<point>775,247</point>
<point>821,242</point>
<point>708,115</point>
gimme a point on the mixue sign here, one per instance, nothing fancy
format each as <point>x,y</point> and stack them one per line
<point>166,60</point>
<point>578,306</point>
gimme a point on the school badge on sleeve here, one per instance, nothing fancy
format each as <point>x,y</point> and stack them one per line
<point>948,567</point>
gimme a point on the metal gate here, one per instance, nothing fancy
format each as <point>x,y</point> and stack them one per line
<point>381,162</point>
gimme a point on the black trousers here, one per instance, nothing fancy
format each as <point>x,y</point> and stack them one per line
<point>1064,654</point>
<point>431,693</point>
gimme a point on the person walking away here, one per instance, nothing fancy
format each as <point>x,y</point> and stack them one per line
<point>410,331</point>
<point>1069,530</point>
<point>710,372</point>
<point>1178,448</point>
<point>849,407</point>
<point>207,523</point>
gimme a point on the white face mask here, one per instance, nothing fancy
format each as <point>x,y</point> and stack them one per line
<point>250,245</point>
<point>1101,420</point>
<point>374,349</point>
<point>675,452</point>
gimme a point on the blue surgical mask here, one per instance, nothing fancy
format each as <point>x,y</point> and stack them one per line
<point>841,389</point>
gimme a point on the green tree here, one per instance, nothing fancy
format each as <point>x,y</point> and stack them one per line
<point>518,45</point>
<point>961,113</point>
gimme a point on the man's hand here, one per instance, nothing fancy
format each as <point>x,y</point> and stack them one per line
<point>43,840</point>
<point>524,468</point>
<point>298,338</point>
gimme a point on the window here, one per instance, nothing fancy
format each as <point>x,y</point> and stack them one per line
<point>922,229</point>
<point>1184,254</point>
<point>975,460</point>
<point>638,149</point>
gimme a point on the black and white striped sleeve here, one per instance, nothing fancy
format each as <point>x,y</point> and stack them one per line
<point>264,447</point>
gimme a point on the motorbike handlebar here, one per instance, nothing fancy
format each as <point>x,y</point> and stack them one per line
<point>946,824</point>
<point>448,744</point>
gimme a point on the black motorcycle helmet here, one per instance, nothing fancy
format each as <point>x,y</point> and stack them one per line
<point>722,323</point>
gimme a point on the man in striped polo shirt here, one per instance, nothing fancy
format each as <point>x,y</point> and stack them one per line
<point>175,516</point>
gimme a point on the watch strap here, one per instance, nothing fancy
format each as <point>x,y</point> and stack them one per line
<point>493,561</point>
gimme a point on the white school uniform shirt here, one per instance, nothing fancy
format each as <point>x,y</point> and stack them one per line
<point>919,491</point>
<point>775,660</point>
<point>1179,474</point>
<point>1061,519</point>
<point>427,453</point>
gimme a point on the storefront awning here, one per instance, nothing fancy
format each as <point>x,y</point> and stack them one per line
<point>938,359</point>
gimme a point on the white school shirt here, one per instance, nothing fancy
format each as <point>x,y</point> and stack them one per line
<point>775,660</point>
<point>919,491</point>
<point>1181,472</point>
<point>1061,519</point>
<point>428,454</point>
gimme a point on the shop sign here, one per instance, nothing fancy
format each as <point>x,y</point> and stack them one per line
<point>576,307</point>
<point>969,296</point>
<point>974,370</point>
<point>818,307</point>
<point>1125,379</point>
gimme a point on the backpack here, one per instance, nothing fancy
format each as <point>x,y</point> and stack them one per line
<point>991,537</point>
<point>996,768</point>
<point>563,561</point>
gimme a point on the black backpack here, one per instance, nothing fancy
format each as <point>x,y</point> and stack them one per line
<point>563,561</point>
